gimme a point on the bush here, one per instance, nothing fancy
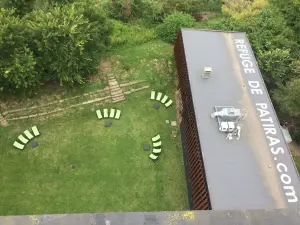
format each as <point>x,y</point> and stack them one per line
<point>226,24</point>
<point>172,24</point>
<point>154,11</point>
<point>130,34</point>
<point>295,134</point>
<point>64,44</point>
<point>68,41</point>
<point>17,61</point>
<point>240,9</point>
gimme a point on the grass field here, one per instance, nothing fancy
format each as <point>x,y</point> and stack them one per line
<point>113,172</point>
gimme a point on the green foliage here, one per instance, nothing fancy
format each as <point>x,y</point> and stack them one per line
<point>68,42</point>
<point>288,97</point>
<point>275,65</point>
<point>154,11</point>
<point>172,24</point>
<point>192,6</point>
<point>17,62</point>
<point>226,24</point>
<point>124,10</point>
<point>273,43</point>
<point>21,6</point>
<point>269,31</point>
<point>291,11</point>
<point>130,34</point>
<point>240,9</point>
<point>295,134</point>
<point>63,44</point>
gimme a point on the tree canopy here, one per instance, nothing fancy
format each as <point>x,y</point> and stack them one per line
<point>63,44</point>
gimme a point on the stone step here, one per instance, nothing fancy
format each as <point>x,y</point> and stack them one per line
<point>118,100</point>
<point>114,87</point>
<point>117,92</point>
<point>121,95</point>
<point>112,83</point>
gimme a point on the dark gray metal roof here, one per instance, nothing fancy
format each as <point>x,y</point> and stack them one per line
<point>263,217</point>
<point>257,171</point>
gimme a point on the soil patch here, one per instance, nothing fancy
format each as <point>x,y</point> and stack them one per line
<point>295,148</point>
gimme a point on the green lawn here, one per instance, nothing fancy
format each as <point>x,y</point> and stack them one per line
<point>113,171</point>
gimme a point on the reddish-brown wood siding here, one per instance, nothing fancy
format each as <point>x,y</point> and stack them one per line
<point>196,173</point>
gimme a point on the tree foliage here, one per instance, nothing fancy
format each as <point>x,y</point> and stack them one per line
<point>240,9</point>
<point>21,6</point>
<point>291,12</point>
<point>172,24</point>
<point>288,97</point>
<point>63,44</point>
<point>17,61</point>
<point>274,45</point>
<point>276,66</point>
<point>155,11</point>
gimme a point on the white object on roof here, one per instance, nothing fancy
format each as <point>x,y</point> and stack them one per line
<point>223,126</point>
<point>238,132</point>
<point>231,126</point>
<point>228,113</point>
<point>229,136</point>
<point>207,72</point>
<point>286,135</point>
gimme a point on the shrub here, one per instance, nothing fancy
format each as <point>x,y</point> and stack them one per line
<point>240,9</point>
<point>225,24</point>
<point>296,135</point>
<point>17,62</point>
<point>68,42</point>
<point>130,34</point>
<point>172,24</point>
<point>64,44</point>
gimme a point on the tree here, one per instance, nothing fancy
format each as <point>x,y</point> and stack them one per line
<point>273,43</point>
<point>21,6</point>
<point>68,41</point>
<point>17,62</point>
<point>240,9</point>
<point>276,66</point>
<point>172,24</point>
<point>291,12</point>
<point>64,44</point>
<point>288,97</point>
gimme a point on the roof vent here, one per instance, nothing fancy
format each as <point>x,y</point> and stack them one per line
<point>207,72</point>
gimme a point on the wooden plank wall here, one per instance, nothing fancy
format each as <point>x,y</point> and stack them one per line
<point>199,191</point>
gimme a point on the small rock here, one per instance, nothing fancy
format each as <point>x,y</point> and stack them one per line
<point>173,123</point>
<point>167,121</point>
<point>4,123</point>
<point>146,147</point>
<point>156,105</point>
<point>107,124</point>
